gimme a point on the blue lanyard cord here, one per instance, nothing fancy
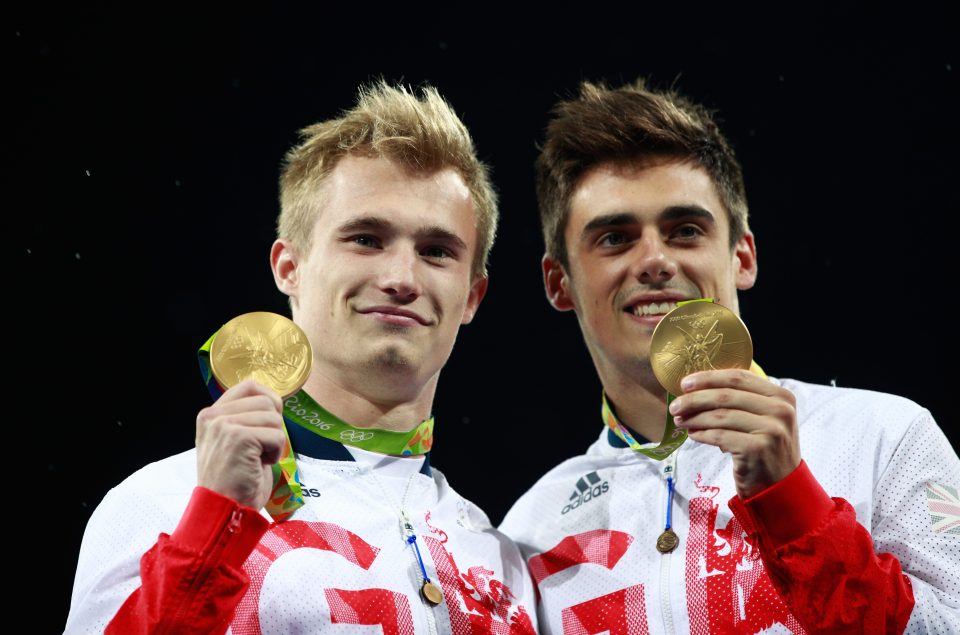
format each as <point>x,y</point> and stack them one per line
<point>669,502</point>
<point>412,539</point>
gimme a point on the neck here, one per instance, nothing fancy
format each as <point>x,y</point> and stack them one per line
<point>640,404</point>
<point>369,404</point>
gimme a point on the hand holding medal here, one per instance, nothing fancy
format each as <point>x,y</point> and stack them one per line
<point>243,447</point>
<point>697,335</point>
<point>701,352</point>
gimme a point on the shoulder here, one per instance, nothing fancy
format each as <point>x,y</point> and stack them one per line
<point>850,431</point>
<point>171,475</point>
<point>159,488</point>
<point>822,406</point>
<point>132,514</point>
<point>123,527</point>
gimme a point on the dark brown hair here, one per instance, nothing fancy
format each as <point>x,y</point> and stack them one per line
<point>629,124</point>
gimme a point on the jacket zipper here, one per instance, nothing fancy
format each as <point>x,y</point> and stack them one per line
<point>668,470</point>
<point>204,570</point>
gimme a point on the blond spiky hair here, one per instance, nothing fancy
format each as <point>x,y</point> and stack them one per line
<point>419,131</point>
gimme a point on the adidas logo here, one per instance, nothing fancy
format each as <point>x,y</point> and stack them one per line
<point>588,488</point>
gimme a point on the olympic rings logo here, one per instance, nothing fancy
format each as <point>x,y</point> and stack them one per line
<point>356,435</point>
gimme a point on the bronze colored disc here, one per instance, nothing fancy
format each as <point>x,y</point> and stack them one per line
<point>432,593</point>
<point>265,347</point>
<point>667,541</point>
<point>698,336</point>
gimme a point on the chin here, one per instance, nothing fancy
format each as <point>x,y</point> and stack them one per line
<point>395,359</point>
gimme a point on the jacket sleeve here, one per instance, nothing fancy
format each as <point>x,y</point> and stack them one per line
<point>191,581</point>
<point>838,577</point>
<point>822,562</point>
<point>188,582</point>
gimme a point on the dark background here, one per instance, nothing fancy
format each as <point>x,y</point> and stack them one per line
<point>143,147</point>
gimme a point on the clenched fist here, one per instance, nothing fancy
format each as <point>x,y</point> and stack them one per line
<point>239,438</point>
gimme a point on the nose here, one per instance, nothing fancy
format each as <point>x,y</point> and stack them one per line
<point>654,263</point>
<point>399,278</point>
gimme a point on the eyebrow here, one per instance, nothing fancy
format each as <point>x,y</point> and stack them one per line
<point>364,223</point>
<point>379,223</point>
<point>672,213</point>
<point>442,234</point>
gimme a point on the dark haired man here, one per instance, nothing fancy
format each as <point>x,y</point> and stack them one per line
<point>643,207</point>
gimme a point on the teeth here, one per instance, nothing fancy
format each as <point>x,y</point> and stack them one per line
<point>653,308</point>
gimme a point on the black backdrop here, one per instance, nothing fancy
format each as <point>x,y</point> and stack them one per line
<point>143,149</point>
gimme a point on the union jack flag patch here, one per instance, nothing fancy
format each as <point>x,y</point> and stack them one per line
<point>944,507</point>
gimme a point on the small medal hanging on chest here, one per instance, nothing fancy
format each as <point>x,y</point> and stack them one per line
<point>431,593</point>
<point>667,541</point>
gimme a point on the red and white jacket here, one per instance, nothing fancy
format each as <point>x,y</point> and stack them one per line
<point>339,565</point>
<point>882,556</point>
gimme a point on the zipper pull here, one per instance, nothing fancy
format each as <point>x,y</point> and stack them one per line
<point>668,540</point>
<point>233,525</point>
<point>406,527</point>
<point>669,467</point>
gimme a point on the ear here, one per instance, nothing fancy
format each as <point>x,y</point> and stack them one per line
<point>478,289</point>
<point>556,283</point>
<point>285,264</point>
<point>745,261</point>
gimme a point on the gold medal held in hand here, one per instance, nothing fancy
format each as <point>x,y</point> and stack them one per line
<point>698,336</point>
<point>265,347</point>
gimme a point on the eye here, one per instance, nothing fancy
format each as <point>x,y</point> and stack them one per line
<point>365,240</point>
<point>613,239</point>
<point>436,253</point>
<point>687,232</point>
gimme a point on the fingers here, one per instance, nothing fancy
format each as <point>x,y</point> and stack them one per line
<point>250,388</point>
<point>731,390</point>
<point>738,443</point>
<point>746,416</point>
<point>248,403</point>
<point>271,443</point>
<point>239,438</point>
<point>734,378</point>
<point>728,407</point>
<point>257,404</point>
<point>736,410</point>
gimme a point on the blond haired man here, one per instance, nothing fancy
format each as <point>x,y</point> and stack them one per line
<point>386,221</point>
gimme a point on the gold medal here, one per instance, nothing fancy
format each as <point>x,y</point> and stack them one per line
<point>667,541</point>
<point>432,593</point>
<point>698,336</point>
<point>265,347</point>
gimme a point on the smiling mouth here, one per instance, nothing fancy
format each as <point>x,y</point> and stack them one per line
<point>393,315</point>
<point>645,309</point>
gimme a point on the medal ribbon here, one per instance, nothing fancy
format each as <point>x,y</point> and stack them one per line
<point>673,437</point>
<point>287,495</point>
<point>302,410</point>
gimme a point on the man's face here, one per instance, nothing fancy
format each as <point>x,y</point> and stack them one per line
<point>387,280</point>
<point>639,239</point>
